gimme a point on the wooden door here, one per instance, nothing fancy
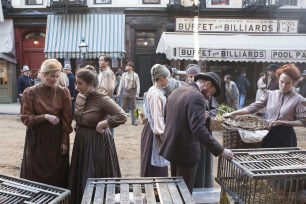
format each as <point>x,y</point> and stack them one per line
<point>144,63</point>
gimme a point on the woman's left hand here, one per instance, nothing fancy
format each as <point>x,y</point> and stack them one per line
<point>278,123</point>
<point>64,149</point>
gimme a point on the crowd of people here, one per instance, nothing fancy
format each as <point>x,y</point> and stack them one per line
<point>176,132</point>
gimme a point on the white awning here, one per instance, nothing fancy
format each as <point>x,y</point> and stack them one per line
<point>233,47</point>
<point>1,13</point>
<point>7,42</point>
<point>103,33</point>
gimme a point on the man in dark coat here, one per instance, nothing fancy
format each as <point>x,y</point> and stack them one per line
<point>272,80</point>
<point>24,81</point>
<point>71,87</point>
<point>185,127</point>
<point>243,85</point>
<point>302,85</point>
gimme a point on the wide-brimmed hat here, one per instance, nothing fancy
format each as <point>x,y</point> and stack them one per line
<point>273,67</point>
<point>25,68</point>
<point>304,73</point>
<point>67,66</point>
<point>214,78</point>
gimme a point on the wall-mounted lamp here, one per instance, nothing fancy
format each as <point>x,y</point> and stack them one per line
<point>36,42</point>
<point>83,48</point>
<point>145,39</point>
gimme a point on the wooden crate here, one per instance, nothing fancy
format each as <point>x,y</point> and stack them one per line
<point>137,190</point>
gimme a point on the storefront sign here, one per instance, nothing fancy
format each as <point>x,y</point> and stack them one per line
<point>285,54</point>
<point>236,25</point>
<point>223,53</point>
<point>240,55</point>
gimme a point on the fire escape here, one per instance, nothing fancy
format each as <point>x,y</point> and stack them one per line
<point>71,6</point>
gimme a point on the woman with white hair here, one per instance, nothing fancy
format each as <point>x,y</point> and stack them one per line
<point>46,111</point>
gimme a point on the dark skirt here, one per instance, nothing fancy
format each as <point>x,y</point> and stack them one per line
<point>94,156</point>
<point>42,160</point>
<point>147,170</point>
<point>280,136</point>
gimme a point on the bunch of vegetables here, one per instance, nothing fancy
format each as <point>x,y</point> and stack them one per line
<point>223,109</point>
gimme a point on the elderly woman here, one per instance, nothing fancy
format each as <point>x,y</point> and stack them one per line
<point>285,109</point>
<point>46,111</point>
<point>94,153</point>
<point>152,164</point>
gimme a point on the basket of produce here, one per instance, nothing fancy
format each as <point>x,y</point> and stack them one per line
<point>216,123</point>
<point>231,137</point>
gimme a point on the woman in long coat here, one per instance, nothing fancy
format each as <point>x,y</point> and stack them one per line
<point>94,153</point>
<point>46,111</point>
<point>152,164</point>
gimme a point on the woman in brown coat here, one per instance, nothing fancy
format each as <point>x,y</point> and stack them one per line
<point>46,111</point>
<point>94,154</point>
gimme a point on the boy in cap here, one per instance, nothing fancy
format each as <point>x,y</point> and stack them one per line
<point>185,127</point>
<point>24,81</point>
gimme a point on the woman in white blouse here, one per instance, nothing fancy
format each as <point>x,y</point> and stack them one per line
<point>285,109</point>
<point>152,164</point>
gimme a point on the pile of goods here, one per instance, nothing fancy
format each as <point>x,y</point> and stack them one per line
<point>247,122</point>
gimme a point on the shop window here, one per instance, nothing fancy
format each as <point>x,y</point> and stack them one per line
<point>288,2</point>
<point>219,2</point>
<point>34,2</point>
<point>145,38</point>
<point>103,1</point>
<point>3,74</point>
<point>151,1</point>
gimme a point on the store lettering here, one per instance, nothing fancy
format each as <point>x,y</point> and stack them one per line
<point>216,53</point>
<point>191,26</point>
<point>248,28</point>
<point>288,54</point>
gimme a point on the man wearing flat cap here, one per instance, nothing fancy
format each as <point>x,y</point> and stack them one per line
<point>185,127</point>
<point>24,81</point>
<point>272,80</point>
<point>71,86</point>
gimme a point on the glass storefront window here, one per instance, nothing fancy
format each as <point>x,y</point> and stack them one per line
<point>3,73</point>
<point>288,2</point>
<point>145,38</point>
<point>219,2</point>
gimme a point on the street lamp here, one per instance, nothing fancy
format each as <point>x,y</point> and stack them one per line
<point>83,48</point>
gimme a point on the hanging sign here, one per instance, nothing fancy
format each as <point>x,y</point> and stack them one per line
<point>236,25</point>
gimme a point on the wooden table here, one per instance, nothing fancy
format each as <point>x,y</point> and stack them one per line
<point>137,190</point>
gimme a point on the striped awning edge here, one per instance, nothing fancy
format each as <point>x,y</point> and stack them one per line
<point>103,33</point>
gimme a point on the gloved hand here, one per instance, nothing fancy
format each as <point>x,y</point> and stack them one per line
<point>227,154</point>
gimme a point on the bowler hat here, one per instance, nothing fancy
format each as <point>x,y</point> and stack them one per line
<point>130,64</point>
<point>273,67</point>
<point>304,73</point>
<point>214,78</point>
<point>25,68</point>
<point>67,66</point>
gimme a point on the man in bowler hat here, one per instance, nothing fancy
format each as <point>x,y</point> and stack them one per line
<point>24,81</point>
<point>302,84</point>
<point>185,127</point>
<point>272,80</point>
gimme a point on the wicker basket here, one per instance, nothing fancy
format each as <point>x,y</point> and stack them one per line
<point>232,140</point>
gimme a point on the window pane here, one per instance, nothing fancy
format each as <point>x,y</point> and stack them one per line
<point>34,2</point>
<point>219,2</point>
<point>145,38</point>
<point>289,2</point>
<point>3,75</point>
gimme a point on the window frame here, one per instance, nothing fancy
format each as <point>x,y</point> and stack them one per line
<point>150,1</point>
<point>28,2</point>
<point>107,2</point>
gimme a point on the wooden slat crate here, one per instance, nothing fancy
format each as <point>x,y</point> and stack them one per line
<point>137,190</point>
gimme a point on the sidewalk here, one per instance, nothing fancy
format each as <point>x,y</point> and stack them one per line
<point>9,108</point>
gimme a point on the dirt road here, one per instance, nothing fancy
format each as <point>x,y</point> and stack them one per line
<point>127,138</point>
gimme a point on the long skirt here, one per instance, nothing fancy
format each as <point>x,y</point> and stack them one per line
<point>280,136</point>
<point>205,170</point>
<point>148,170</point>
<point>94,156</point>
<point>42,160</point>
